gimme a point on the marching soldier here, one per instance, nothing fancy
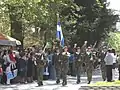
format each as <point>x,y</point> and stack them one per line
<point>57,63</point>
<point>78,64</point>
<point>83,55</point>
<point>89,63</point>
<point>65,65</point>
<point>41,62</point>
<point>102,63</point>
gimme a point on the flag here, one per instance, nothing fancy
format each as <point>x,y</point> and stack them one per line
<point>59,33</point>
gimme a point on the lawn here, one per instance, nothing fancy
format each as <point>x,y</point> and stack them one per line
<point>116,83</point>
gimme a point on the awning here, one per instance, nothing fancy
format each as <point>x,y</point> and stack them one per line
<point>7,40</point>
<point>15,40</point>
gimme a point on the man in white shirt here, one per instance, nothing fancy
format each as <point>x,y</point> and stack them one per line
<point>109,63</point>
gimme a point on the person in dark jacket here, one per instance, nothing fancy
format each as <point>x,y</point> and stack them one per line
<point>22,68</point>
<point>30,68</point>
<point>57,63</point>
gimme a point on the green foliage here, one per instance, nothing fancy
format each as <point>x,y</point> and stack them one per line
<point>81,20</point>
<point>90,22</point>
<point>116,83</point>
<point>114,40</point>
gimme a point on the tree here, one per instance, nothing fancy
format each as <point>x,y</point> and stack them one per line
<point>81,20</point>
<point>89,21</point>
<point>114,41</point>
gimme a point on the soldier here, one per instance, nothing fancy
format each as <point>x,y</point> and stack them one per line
<point>89,63</point>
<point>57,63</point>
<point>65,65</point>
<point>41,62</point>
<point>78,64</point>
<point>102,64</point>
<point>83,55</point>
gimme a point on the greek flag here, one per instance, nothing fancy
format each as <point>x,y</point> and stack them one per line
<point>59,33</point>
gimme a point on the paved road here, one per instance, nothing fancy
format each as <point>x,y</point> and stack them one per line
<point>51,85</point>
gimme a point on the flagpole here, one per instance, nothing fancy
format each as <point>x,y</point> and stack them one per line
<point>59,31</point>
<point>58,18</point>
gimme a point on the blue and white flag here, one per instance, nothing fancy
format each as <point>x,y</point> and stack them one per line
<point>59,33</point>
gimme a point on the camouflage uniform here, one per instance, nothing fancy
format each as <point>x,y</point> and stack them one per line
<point>57,63</point>
<point>65,66</point>
<point>103,67</point>
<point>83,55</point>
<point>89,63</point>
<point>78,65</point>
<point>41,62</point>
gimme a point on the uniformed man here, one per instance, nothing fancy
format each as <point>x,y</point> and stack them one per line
<point>65,65</point>
<point>78,64</point>
<point>102,64</point>
<point>83,55</point>
<point>41,62</point>
<point>89,64</point>
<point>57,63</point>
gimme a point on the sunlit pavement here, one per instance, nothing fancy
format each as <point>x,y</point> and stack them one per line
<point>51,85</point>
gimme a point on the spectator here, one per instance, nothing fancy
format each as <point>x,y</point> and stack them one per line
<point>30,68</point>
<point>109,64</point>
<point>114,63</point>
<point>118,60</point>
<point>22,68</point>
<point>1,72</point>
<point>9,74</point>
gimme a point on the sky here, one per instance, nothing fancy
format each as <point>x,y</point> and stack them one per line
<point>115,4</point>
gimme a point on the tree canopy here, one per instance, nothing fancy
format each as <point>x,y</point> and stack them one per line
<point>34,21</point>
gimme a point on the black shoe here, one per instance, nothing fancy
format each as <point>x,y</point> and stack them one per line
<point>64,83</point>
<point>58,81</point>
<point>104,79</point>
<point>40,83</point>
<point>78,82</point>
<point>88,82</point>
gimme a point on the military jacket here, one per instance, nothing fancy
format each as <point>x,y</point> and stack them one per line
<point>89,60</point>
<point>78,59</point>
<point>41,60</point>
<point>57,60</point>
<point>65,60</point>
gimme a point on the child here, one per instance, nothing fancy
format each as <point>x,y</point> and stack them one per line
<point>9,74</point>
<point>1,72</point>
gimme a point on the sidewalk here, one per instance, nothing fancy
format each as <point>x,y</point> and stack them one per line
<point>100,88</point>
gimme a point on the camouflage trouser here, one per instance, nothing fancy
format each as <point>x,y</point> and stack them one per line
<point>64,75</point>
<point>58,73</point>
<point>64,72</point>
<point>103,71</point>
<point>89,74</point>
<point>40,71</point>
<point>78,72</point>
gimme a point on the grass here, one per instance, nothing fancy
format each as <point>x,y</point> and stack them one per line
<point>116,83</point>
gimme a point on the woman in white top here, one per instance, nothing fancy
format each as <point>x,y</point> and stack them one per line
<point>6,58</point>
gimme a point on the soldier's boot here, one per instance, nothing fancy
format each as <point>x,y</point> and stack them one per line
<point>104,79</point>
<point>78,81</point>
<point>40,83</point>
<point>58,81</point>
<point>88,82</point>
<point>64,83</point>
